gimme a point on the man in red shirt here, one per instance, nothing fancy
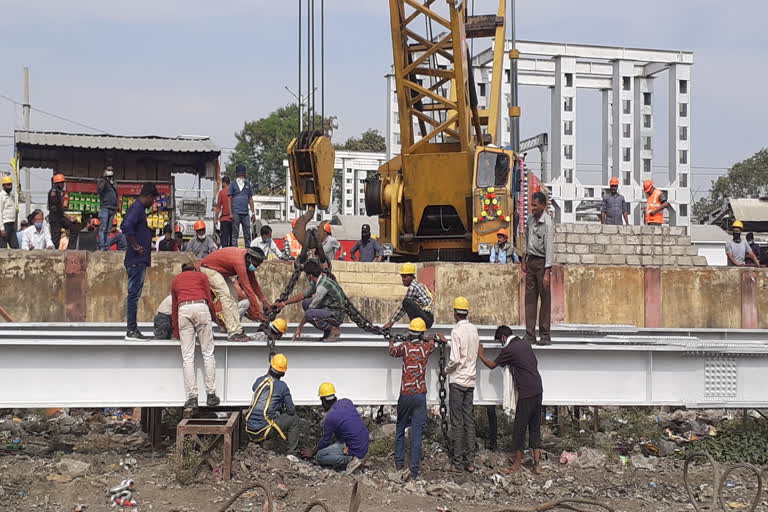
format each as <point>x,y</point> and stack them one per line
<point>412,404</point>
<point>192,311</point>
<point>223,211</point>
<point>220,267</point>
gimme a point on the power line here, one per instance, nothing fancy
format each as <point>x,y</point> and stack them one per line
<point>56,116</point>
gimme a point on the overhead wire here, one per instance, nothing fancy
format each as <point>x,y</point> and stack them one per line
<point>301,102</point>
<point>56,116</point>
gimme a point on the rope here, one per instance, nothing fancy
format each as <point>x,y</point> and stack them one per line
<point>565,503</point>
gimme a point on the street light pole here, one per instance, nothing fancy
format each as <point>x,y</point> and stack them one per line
<point>514,108</point>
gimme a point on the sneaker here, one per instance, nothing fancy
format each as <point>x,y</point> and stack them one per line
<point>353,465</point>
<point>544,341</point>
<point>190,406</point>
<point>136,335</point>
<point>332,334</point>
<point>212,400</point>
<point>239,336</point>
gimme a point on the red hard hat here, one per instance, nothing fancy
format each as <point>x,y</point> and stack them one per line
<point>178,228</point>
<point>503,232</point>
<point>199,225</point>
<point>96,222</point>
<point>327,228</point>
<point>293,222</point>
<point>58,178</point>
<point>114,222</point>
<point>614,181</point>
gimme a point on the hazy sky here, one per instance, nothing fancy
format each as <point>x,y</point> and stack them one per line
<point>173,67</point>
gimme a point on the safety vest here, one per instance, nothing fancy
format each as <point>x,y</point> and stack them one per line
<point>262,398</point>
<point>293,245</point>
<point>654,203</point>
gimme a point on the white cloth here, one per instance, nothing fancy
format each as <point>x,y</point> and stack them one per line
<point>195,321</point>
<point>166,307</point>
<point>462,365</point>
<point>509,401</point>
<point>34,239</point>
<point>7,207</point>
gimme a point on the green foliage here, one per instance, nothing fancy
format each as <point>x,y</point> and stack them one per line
<point>744,180</point>
<point>737,442</point>
<point>371,140</point>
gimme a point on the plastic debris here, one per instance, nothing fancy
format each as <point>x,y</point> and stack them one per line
<point>568,457</point>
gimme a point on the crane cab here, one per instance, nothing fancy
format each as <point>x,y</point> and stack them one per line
<point>492,196</point>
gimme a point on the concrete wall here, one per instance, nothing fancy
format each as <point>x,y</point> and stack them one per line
<point>74,286</point>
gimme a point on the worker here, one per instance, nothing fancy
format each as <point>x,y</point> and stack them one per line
<point>737,250</point>
<point>517,355</point>
<point>614,205</point>
<point>192,314</point>
<point>324,303</point>
<point>272,413</point>
<point>291,245</point>
<point>56,217</point>
<point>164,319</point>
<point>202,245</point>
<point>267,245</point>
<point>462,375</point>
<point>138,256</point>
<point>179,238</point>
<point>277,328</point>
<point>345,438</point>
<point>331,246</point>
<point>225,264</point>
<point>656,204</point>
<point>38,234</point>
<point>755,248</point>
<point>369,249</point>
<point>117,239</point>
<point>223,213</point>
<point>412,403</point>
<point>537,267</point>
<point>107,205</point>
<point>24,224</point>
<point>418,301</point>
<point>241,193</point>
<point>168,242</point>
<point>503,251</point>
<point>8,213</point>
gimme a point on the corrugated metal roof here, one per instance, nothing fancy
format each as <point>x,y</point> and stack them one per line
<point>117,142</point>
<point>749,210</point>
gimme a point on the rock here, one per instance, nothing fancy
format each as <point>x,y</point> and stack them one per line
<point>641,462</point>
<point>667,448</point>
<point>450,489</point>
<point>62,479</point>
<point>601,438</point>
<point>2,491</point>
<point>590,458</point>
<point>389,429</point>
<point>547,485</point>
<point>72,468</point>
<point>415,487</point>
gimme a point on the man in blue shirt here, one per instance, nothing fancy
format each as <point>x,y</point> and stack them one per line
<point>345,438</point>
<point>241,192</point>
<point>138,256</point>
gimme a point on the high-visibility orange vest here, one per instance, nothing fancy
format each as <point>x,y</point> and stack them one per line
<point>654,203</point>
<point>293,245</point>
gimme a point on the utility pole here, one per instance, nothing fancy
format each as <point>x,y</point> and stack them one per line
<point>514,108</point>
<point>27,173</point>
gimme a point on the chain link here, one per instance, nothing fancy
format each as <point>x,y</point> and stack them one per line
<point>443,395</point>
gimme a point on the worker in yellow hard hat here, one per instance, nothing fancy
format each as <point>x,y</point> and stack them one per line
<point>272,413</point>
<point>274,331</point>
<point>738,250</point>
<point>503,251</point>
<point>418,301</point>
<point>8,213</point>
<point>462,374</point>
<point>345,438</point>
<point>412,403</point>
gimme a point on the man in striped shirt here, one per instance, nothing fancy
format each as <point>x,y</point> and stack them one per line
<point>418,299</point>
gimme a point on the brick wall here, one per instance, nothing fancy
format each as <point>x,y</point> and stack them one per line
<point>597,244</point>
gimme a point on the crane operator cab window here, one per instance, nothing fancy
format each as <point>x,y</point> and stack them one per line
<point>492,169</point>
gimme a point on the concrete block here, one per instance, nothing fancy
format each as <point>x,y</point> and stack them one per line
<point>647,230</point>
<point>657,251</point>
<point>685,261</point>
<point>646,250</point>
<point>677,250</point>
<point>700,261</point>
<point>684,240</point>
<point>677,230</point>
<point>580,228</point>
<point>572,259</point>
<point>573,238</point>
<point>632,240</point>
<point>665,250</point>
<point>561,228</point>
<point>602,239</point>
<point>597,249</point>
<point>560,258</point>
<point>595,229</point>
<point>588,259</point>
<point>612,249</point>
<point>627,250</point>
<point>581,249</point>
<point>560,238</point>
<point>668,260</point>
<point>603,259</point>
<point>646,239</point>
<point>658,239</point>
<point>648,261</point>
<point>618,259</point>
<point>691,251</point>
<point>586,239</point>
<point>665,230</point>
<point>610,229</point>
<point>625,230</point>
<point>669,240</point>
<point>637,230</point>
<point>633,260</point>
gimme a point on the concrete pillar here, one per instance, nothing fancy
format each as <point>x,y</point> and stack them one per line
<point>621,128</point>
<point>679,143</point>
<point>643,127</point>
<point>564,136</point>
<point>607,136</point>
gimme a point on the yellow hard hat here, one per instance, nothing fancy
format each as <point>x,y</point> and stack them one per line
<point>417,325</point>
<point>461,304</point>
<point>7,180</point>
<point>407,268</point>
<point>280,325</point>
<point>326,389</point>
<point>279,363</point>
<point>738,224</point>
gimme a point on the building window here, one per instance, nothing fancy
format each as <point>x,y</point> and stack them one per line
<point>569,207</point>
<point>349,181</point>
<point>568,151</point>
<point>397,139</point>
<point>626,130</point>
<point>568,104</point>
<point>683,210</point>
<point>683,86</point>
<point>626,106</point>
<point>349,203</point>
<point>626,154</point>
<point>684,180</point>
<point>683,110</point>
<point>647,120</point>
<point>683,133</point>
<point>568,175</point>
<point>647,165</point>
<point>627,178</point>
<point>569,79</point>
<point>567,127</point>
<point>683,156</point>
<point>481,88</point>
<point>647,99</point>
<point>626,83</point>
<point>589,192</point>
<point>647,145</point>
<point>507,76</point>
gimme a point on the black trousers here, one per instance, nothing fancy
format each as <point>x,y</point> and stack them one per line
<point>64,223</point>
<point>225,236</point>
<point>413,310</point>
<point>527,417</point>
<point>10,240</point>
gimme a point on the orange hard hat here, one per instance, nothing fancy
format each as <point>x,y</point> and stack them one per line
<point>96,222</point>
<point>614,181</point>
<point>114,222</point>
<point>200,224</point>
<point>293,222</point>
<point>647,185</point>
<point>327,228</point>
<point>58,178</point>
<point>178,228</point>
<point>503,232</point>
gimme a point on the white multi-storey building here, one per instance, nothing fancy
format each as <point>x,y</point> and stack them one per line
<point>626,77</point>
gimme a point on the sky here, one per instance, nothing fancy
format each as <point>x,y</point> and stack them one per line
<point>197,67</point>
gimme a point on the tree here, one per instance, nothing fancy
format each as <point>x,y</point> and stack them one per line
<point>262,146</point>
<point>746,179</point>
<point>371,141</point>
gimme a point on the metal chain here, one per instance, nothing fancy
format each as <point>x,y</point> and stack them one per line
<point>443,395</point>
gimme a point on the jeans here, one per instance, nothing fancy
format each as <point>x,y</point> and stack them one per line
<point>411,410</point>
<point>195,322</point>
<point>10,240</point>
<point>527,417</point>
<point>413,310</point>
<point>322,319</point>
<point>225,237</point>
<point>136,275</point>
<point>106,215</point>
<point>244,220</point>
<point>534,288</point>
<point>462,424</point>
<point>333,457</point>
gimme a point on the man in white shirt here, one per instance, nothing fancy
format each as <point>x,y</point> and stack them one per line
<point>331,246</point>
<point>462,375</point>
<point>267,244</point>
<point>8,211</point>
<point>38,235</point>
